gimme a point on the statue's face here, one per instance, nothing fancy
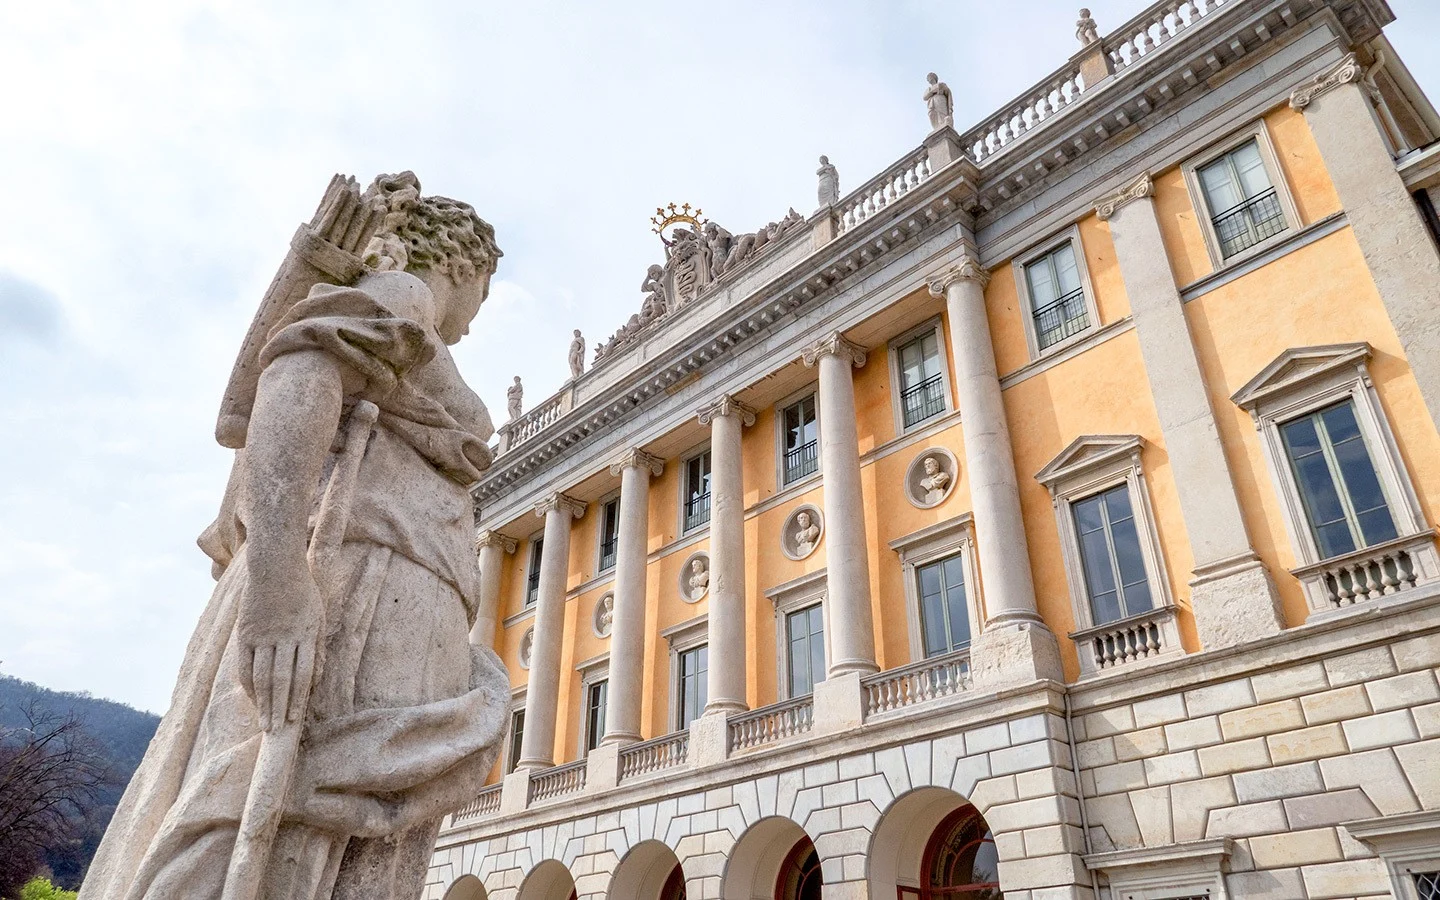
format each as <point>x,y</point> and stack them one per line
<point>458,299</point>
<point>697,566</point>
<point>931,466</point>
<point>803,520</point>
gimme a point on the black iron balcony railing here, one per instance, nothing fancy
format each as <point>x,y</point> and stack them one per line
<point>1061,319</point>
<point>697,510</point>
<point>1246,224</point>
<point>801,461</point>
<point>607,552</point>
<point>532,586</point>
<point>921,401</point>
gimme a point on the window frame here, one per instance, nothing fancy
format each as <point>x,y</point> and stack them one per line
<point>1070,235</point>
<point>534,558</point>
<point>681,638</point>
<point>1166,872</point>
<point>892,353</point>
<point>601,505</point>
<point>684,529</point>
<point>1260,134</point>
<point>953,536</point>
<point>812,392</point>
<point>592,671</point>
<point>1304,380</point>
<point>1093,464</point>
<point>792,596</point>
<point>512,751</point>
<point>1405,843</point>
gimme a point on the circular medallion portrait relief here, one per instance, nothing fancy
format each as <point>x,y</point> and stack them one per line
<point>527,645</point>
<point>695,577</point>
<point>931,477</point>
<point>604,615</point>
<point>801,533</point>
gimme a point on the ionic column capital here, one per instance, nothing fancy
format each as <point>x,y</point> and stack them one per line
<point>635,458</point>
<point>562,502</point>
<point>1106,207</point>
<point>726,406</point>
<point>835,344</point>
<point>1347,71</point>
<point>968,269</point>
<point>488,538</point>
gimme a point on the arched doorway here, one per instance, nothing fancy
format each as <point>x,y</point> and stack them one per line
<point>548,881</point>
<point>650,871</point>
<point>773,858</point>
<point>466,887</point>
<point>800,877</point>
<point>933,845</point>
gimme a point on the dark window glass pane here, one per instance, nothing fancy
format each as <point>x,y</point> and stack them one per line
<point>1095,560</point>
<point>517,736</point>
<point>1357,472</point>
<point>959,612</point>
<point>1317,487</point>
<point>1088,517</point>
<point>1301,437</point>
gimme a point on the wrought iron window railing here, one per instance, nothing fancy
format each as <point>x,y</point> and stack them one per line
<point>607,552</point>
<point>801,461</point>
<point>1246,224</point>
<point>697,510</point>
<point>532,587</point>
<point>921,401</point>
<point>1061,319</point>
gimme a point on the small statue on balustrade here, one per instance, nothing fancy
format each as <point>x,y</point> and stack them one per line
<point>513,397</point>
<point>829,182</point>
<point>1086,29</point>
<point>939,103</point>
<point>577,355</point>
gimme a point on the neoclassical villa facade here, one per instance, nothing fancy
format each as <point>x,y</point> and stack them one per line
<point>1050,517</point>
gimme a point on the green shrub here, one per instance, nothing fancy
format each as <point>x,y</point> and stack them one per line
<point>42,889</point>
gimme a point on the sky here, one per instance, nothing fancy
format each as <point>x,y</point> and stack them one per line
<point>161,155</point>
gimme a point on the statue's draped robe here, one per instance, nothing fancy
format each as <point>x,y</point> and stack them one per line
<point>404,709</point>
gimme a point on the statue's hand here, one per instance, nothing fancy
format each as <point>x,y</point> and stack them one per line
<point>355,815</point>
<point>278,628</point>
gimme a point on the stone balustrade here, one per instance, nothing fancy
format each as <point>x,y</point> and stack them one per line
<point>883,190</point>
<point>1370,574</point>
<point>1024,114</point>
<point>485,804</point>
<point>772,723</point>
<point>655,755</point>
<point>558,781</point>
<point>1155,27</point>
<point>1147,635</point>
<point>518,431</point>
<point>940,676</point>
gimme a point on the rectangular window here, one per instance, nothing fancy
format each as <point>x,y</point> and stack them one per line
<point>802,440</point>
<point>1339,487</point>
<point>595,698</point>
<point>532,578</point>
<point>805,634</point>
<point>1110,556</point>
<point>609,533</point>
<point>517,738</point>
<point>944,613</point>
<point>1244,206</point>
<point>922,387</point>
<point>693,669</point>
<point>1057,296</point>
<point>1427,885</point>
<point>697,491</point>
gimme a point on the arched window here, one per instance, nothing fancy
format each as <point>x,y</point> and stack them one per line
<point>674,888</point>
<point>800,874</point>
<point>960,861</point>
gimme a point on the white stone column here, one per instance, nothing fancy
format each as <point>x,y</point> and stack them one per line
<point>542,696</point>
<point>1014,646</point>
<point>627,631</point>
<point>491,547</point>
<point>1397,248</point>
<point>847,559</point>
<point>725,687</point>
<point>1232,595</point>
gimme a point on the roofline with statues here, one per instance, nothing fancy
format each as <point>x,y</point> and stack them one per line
<point>1033,167</point>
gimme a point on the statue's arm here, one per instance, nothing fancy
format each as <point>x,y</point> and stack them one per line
<point>296,413</point>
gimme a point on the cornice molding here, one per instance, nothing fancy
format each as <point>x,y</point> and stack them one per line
<point>1347,71</point>
<point>834,344</point>
<point>1142,187</point>
<point>636,458</point>
<point>488,538</point>
<point>563,503</point>
<point>727,405</point>
<point>968,269</point>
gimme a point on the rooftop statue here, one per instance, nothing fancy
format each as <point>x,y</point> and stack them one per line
<point>317,735</point>
<point>1086,30</point>
<point>577,355</point>
<point>514,398</point>
<point>829,182</point>
<point>939,104</point>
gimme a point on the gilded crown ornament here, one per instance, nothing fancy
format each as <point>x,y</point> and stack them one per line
<point>672,215</point>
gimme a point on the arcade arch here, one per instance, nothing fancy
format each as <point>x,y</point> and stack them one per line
<point>548,881</point>
<point>774,858</point>
<point>650,871</point>
<point>467,887</point>
<point>933,845</point>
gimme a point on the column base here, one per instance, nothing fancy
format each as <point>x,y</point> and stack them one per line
<point>619,739</point>
<point>1014,652</point>
<point>1234,601</point>
<point>725,707</point>
<point>853,666</point>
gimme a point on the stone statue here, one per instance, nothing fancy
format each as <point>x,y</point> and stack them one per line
<point>577,355</point>
<point>527,646</point>
<point>935,481</point>
<point>1086,29</point>
<point>514,395</point>
<point>717,247</point>
<point>607,614</point>
<point>699,577</point>
<point>938,103</point>
<point>330,709</point>
<point>829,182</point>
<point>653,287</point>
<point>806,533</point>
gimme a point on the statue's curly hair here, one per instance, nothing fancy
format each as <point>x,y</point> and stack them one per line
<point>439,234</point>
